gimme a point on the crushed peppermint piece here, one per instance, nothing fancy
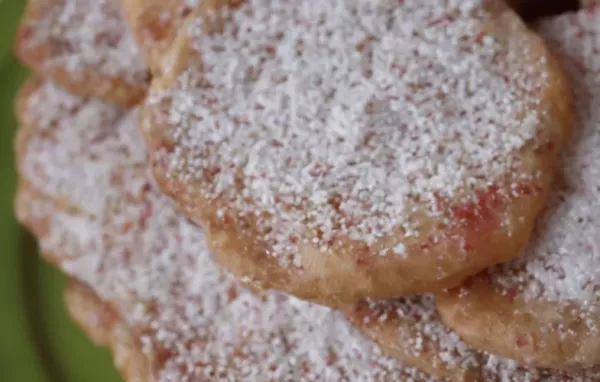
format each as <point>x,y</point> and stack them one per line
<point>347,118</point>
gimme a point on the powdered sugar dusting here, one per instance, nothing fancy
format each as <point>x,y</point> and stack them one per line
<point>427,334</point>
<point>84,35</point>
<point>150,262</point>
<point>561,263</point>
<point>420,314</point>
<point>316,105</point>
<point>498,369</point>
<point>57,161</point>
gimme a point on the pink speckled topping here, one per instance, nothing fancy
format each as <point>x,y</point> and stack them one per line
<point>320,115</point>
<point>561,263</point>
<point>152,264</point>
<point>84,36</point>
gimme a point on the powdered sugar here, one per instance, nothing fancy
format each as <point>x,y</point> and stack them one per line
<point>151,263</point>
<point>426,330</point>
<point>348,117</point>
<point>561,262</point>
<point>57,161</point>
<point>84,35</point>
<point>498,369</point>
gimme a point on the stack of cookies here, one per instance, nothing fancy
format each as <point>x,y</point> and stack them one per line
<point>302,190</point>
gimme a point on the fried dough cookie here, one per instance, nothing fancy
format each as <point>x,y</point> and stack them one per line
<point>104,327</point>
<point>85,46</point>
<point>337,162</point>
<point>151,265</point>
<point>411,330</point>
<point>544,307</point>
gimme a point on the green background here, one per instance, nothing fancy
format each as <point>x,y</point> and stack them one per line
<point>38,340</point>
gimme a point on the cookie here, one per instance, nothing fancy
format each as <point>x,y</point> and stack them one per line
<point>543,308</point>
<point>151,265</point>
<point>336,163</point>
<point>411,330</point>
<point>85,46</point>
<point>104,327</point>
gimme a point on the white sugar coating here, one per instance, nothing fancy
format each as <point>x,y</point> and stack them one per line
<point>347,116</point>
<point>88,34</point>
<point>142,256</point>
<point>498,369</point>
<point>426,327</point>
<point>57,160</point>
<point>428,331</point>
<point>561,262</point>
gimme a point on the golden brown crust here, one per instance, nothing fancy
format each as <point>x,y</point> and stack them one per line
<point>83,46</point>
<point>104,327</point>
<point>409,330</point>
<point>536,333</point>
<point>352,270</point>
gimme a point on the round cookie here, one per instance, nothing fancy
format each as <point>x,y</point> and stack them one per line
<point>195,322</point>
<point>85,46</point>
<point>411,330</point>
<point>544,307</point>
<point>337,162</point>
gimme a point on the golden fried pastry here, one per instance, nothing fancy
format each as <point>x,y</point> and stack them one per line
<point>103,325</point>
<point>85,46</point>
<point>151,265</point>
<point>337,162</point>
<point>543,308</point>
<point>410,329</point>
